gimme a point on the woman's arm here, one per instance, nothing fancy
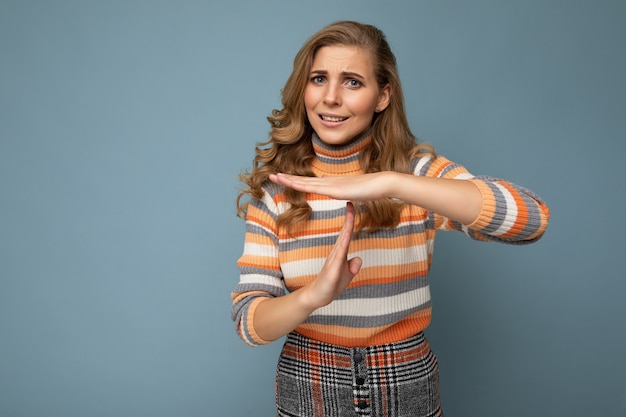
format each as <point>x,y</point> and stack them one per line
<point>482,207</point>
<point>458,200</point>
<point>275,317</point>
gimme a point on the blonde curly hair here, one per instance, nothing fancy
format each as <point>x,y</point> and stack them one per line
<point>289,148</point>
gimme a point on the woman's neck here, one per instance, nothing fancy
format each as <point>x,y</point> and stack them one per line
<point>334,160</point>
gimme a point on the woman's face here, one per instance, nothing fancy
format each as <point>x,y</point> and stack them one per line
<point>342,94</point>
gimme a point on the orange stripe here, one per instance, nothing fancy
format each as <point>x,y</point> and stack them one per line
<point>522,213</point>
<point>362,279</point>
<point>351,337</point>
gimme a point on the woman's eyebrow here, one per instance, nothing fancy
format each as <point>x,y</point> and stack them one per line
<point>346,74</point>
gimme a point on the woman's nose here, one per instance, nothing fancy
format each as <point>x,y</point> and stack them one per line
<point>333,95</point>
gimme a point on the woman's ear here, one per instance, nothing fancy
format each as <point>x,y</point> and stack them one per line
<point>384,98</point>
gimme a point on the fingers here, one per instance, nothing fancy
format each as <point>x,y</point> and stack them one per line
<point>284,179</point>
<point>338,271</point>
<point>354,265</point>
<point>363,187</point>
<point>342,244</point>
<point>338,256</point>
<point>304,184</point>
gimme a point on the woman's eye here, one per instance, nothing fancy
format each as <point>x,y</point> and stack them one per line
<point>354,83</point>
<point>317,80</point>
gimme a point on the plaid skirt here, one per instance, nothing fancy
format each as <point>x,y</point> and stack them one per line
<point>315,379</point>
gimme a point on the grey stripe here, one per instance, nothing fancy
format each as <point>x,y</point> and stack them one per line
<point>276,290</point>
<point>501,209</point>
<point>240,308</point>
<point>338,161</point>
<point>258,230</point>
<point>384,290</point>
<point>402,230</point>
<point>449,168</point>
<point>424,170</point>
<point>249,270</point>
<point>334,148</point>
<point>328,214</point>
<point>534,217</point>
<point>246,331</point>
<point>260,204</point>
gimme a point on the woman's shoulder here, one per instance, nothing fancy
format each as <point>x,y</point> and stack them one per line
<point>272,189</point>
<point>424,164</point>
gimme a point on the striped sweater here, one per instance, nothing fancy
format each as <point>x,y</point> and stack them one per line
<point>389,299</point>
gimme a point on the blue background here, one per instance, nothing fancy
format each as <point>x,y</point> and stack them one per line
<point>123,126</point>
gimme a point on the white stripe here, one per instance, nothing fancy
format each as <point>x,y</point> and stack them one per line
<point>372,257</point>
<point>260,279</point>
<point>269,202</point>
<point>317,205</point>
<point>244,336</point>
<point>464,176</point>
<point>256,249</point>
<point>282,207</point>
<point>309,266</point>
<point>420,164</point>
<point>391,257</point>
<point>326,205</point>
<point>511,212</point>
<point>369,307</point>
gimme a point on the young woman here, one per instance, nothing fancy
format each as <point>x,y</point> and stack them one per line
<point>342,207</point>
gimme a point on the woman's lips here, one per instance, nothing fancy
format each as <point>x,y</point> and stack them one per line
<point>332,121</point>
<point>327,118</point>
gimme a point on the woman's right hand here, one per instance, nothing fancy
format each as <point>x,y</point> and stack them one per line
<point>338,271</point>
<point>275,317</point>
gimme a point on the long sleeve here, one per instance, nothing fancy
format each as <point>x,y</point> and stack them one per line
<point>260,272</point>
<point>510,213</point>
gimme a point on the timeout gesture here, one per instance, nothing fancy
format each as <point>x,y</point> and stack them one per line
<point>364,187</point>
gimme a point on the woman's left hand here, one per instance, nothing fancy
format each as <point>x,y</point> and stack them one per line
<point>364,187</point>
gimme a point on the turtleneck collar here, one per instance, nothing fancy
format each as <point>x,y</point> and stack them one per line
<point>339,160</point>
